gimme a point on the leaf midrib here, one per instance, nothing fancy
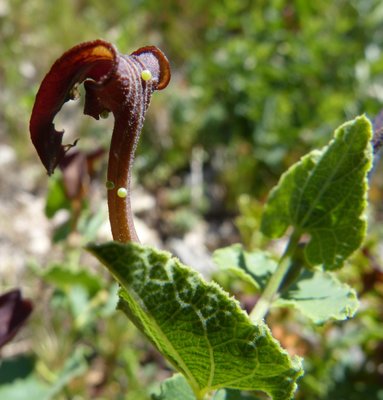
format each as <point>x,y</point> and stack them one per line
<point>158,329</point>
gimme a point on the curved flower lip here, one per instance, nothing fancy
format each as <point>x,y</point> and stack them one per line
<point>164,77</point>
<point>96,61</point>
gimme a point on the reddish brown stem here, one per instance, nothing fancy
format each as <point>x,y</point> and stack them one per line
<point>121,156</point>
<point>114,83</point>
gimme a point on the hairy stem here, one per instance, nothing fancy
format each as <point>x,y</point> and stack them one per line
<point>263,305</point>
<point>121,155</point>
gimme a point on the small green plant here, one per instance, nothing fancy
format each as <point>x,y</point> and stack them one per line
<point>219,350</point>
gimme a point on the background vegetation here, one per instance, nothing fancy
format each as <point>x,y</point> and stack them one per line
<point>255,85</point>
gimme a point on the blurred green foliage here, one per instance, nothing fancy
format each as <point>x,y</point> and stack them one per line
<point>255,85</point>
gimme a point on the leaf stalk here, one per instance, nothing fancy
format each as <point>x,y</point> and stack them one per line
<point>271,290</point>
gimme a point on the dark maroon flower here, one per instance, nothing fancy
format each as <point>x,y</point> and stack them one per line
<point>114,83</point>
<point>13,313</point>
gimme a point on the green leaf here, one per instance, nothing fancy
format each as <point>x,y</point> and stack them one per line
<point>74,366</point>
<point>231,394</point>
<point>33,388</point>
<point>177,388</point>
<point>56,196</point>
<point>174,388</point>
<point>320,296</point>
<point>65,278</point>
<point>89,223</point>
<point>255,267</point>
<point>18,367</point>
<point>196,325</point>
<point>324,195</point>
<point>316,294</point>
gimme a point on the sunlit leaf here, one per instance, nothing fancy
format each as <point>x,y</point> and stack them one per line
<point>324,195</point>
<point>196,325</point>
<point>320,296</point>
